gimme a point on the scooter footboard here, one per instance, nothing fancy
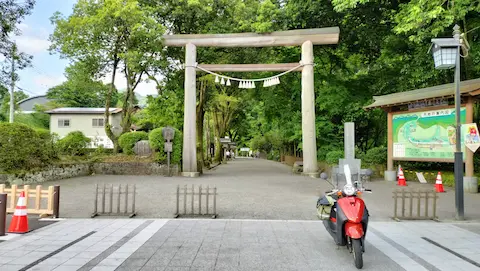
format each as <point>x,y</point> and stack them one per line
<point>354,230</point>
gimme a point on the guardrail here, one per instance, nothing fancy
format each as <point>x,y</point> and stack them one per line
<point>419,199</point>
<point>204,194</point>
<point>43,208</point>
<point>110,206</point>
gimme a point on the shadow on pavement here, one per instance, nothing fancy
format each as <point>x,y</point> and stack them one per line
<point>33,223</point>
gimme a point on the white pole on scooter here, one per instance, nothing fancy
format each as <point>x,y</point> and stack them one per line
<point>348,175</point>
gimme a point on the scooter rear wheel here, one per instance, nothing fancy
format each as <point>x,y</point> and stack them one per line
<point>357,253</point>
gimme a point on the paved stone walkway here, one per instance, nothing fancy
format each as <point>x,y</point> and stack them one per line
<point>138,244</point>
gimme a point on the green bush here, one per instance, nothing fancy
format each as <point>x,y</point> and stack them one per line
<point>48,141</point>
<point>157,144</point>
<point>127,141</point>
<point>324,150</point>
<point>375,156</point>
<point>333,157</point>
<point>21,148</point>
<point>75,143</point>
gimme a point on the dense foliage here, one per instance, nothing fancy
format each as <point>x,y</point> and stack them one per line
<point>74,143</point>
<point>157,144</point>
<point>127,141</point>
<point>382,49</point>
<point>22,148</point>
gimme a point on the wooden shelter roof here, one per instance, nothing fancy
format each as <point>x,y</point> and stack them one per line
<point>469,87</point>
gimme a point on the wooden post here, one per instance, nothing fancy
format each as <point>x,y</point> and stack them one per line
<point>13,197</point>
<point>189,124</point>
<point>26,190</point>
<point>3,213</point>
<point>38,196</point>
<point>469,168</point>
<point>50,198</point>
<point>310,165</point>
<point>390,141</point>
<point>403,203</point>
<point>56,201</point>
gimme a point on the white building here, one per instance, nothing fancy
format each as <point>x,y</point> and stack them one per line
<point>89,121</point>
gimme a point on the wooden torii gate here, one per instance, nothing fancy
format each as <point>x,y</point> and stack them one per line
<point>305,37</point>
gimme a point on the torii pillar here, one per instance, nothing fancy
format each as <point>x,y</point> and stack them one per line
<point>305,37</point>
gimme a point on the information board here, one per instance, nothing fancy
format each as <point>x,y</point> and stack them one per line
<point>428,135</point>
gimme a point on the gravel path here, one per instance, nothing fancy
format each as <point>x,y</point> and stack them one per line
<point>247,189</point>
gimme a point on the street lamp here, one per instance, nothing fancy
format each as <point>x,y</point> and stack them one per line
<point>446,55</point>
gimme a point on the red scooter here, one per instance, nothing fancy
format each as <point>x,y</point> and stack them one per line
<point>346,217</point>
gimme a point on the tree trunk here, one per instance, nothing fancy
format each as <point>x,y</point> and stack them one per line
<point>200,117</point>
<point>108,100</point>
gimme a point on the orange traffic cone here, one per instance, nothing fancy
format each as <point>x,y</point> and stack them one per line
<point>19,222</point>
<point>439,184</point>
<point>401,178</point>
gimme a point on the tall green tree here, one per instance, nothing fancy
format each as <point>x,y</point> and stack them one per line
<point>5,106</point>
<point>80,89</point>
<point>12,12</point>
<point>112,35</point>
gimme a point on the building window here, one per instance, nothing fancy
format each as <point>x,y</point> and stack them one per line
<point>98,122</point>
<point>63,123</point>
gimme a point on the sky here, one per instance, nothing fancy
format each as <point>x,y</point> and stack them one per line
<point>48,69</point>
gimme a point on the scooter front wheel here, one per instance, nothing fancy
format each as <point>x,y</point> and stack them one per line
<point>357,253</point>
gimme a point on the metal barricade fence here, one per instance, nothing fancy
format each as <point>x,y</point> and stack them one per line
<point>111,206</point>
<point>206,195</point>
<point>420,199</point>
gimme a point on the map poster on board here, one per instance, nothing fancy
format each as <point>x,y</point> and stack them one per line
<point>426,135</point>
<point>470,136</point>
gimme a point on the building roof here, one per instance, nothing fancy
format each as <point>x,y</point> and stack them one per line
<point>469,87</point>
<point>28,104</point>
<point>82,110</point>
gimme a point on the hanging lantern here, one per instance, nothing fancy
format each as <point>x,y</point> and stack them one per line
<point>228,82</point>
<point>222,82</point>
<point>216,79</point>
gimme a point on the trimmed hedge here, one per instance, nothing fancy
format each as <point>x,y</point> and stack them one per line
<point>22,148</point>
<point>157,144</point>
<point>128,140</point>
<point>74,143</point>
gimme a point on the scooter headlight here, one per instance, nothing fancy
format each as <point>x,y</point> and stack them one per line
<point>349,190</point>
